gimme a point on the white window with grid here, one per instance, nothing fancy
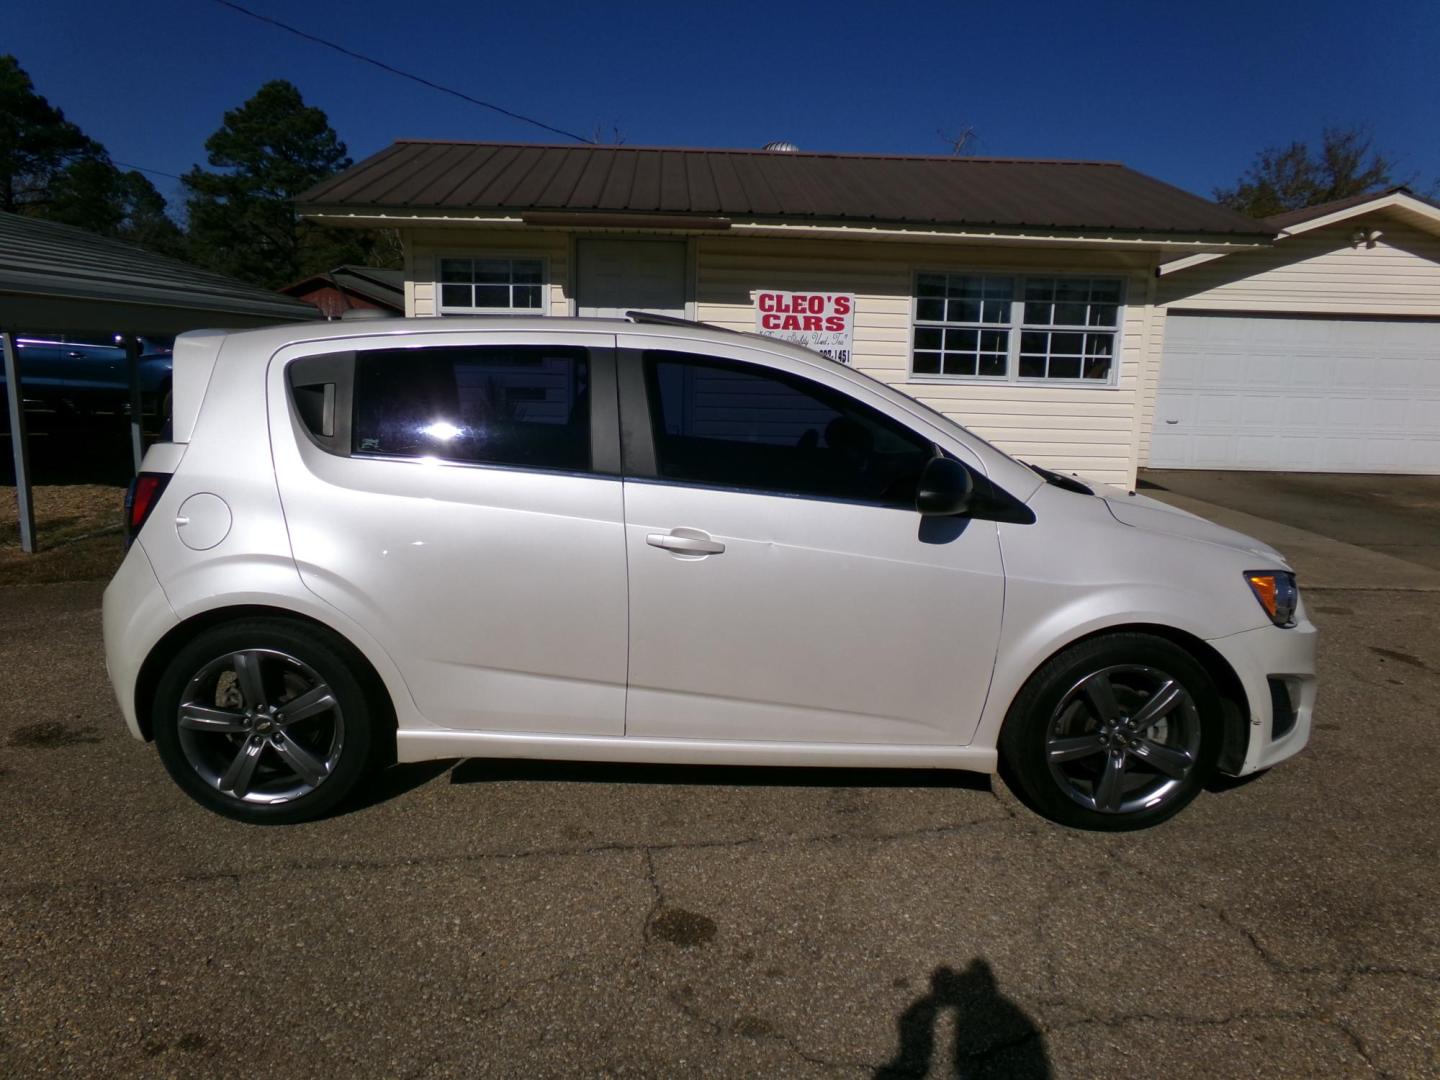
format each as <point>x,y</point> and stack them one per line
<point>1009,328</point>
<point>491,285</point>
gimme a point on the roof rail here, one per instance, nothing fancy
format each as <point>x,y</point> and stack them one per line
<point>656,319</point>
<point>663,320</point>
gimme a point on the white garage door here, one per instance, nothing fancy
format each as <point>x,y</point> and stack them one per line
<point>1303,395</point>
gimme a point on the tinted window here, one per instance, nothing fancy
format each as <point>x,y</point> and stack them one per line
<point>738,425</point>
<point>520,405</point>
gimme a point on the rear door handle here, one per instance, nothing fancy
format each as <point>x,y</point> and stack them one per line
<point>685,542</point>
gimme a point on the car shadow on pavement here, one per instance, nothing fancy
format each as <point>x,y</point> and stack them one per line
<point>391,783</point>
<point>1219,783</point>
<point>498,770</point>
<point>993,1035</point>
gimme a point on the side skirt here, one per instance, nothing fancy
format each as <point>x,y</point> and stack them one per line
<point>429,745</point>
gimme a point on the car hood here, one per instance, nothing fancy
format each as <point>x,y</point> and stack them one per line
<point>1143,512</point>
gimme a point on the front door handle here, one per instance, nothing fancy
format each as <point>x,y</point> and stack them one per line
<point>685,542</point>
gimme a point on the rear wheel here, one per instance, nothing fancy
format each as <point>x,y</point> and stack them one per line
<point>1118,732</point>
<point>265,721</point>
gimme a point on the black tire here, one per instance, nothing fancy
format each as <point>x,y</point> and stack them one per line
<point>289,659</point>
<point>1055,715</point>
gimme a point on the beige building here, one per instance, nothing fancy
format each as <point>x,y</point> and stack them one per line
<point>1029,300</point>
<point>1319,353</point>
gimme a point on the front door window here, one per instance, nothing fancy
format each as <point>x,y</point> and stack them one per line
<point>734,425</point>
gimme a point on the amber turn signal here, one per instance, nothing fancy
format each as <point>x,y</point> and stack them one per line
<point>1276,591</point>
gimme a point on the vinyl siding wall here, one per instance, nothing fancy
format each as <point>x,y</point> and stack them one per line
<point>1090,430</point>
<point>1320,273</point>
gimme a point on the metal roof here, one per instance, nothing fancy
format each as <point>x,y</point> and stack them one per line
<point>57,277</point>
<point>413,176</point>
<point>375,283</point>
<point>1309,213</point>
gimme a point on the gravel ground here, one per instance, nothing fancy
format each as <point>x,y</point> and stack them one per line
<point>79,531</point>
<point>526,919</point>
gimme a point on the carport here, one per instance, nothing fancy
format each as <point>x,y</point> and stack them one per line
<point>62,280</point>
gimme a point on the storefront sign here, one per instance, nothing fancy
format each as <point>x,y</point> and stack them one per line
<point>823,322</point>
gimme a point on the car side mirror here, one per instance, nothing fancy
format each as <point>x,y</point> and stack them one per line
<point>945,488</point>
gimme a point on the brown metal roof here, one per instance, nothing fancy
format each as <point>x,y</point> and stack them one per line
<point>1310,213</point>
<point>1071,196</point>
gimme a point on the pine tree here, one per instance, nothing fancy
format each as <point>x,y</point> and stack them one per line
<point>241,210</point>
<point>37,143</point>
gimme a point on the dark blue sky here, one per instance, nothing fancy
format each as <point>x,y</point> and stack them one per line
<point>1186,94</point>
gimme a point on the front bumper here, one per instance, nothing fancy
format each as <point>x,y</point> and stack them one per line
<point>1274,664</point>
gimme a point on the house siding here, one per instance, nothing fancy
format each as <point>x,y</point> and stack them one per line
<point>1090,430</point>
<point>1319,273</point>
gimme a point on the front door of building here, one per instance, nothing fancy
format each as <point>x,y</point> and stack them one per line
<point>616,276</point>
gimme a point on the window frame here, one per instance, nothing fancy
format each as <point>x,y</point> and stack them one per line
<point>442,309</point>
<point>637,432</point>
<point>338,368</point>
<point>1017,327</point>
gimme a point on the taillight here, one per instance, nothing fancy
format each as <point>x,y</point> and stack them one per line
<point>144,492</point>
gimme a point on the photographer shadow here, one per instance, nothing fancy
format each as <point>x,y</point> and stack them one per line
<point>993,1036</point>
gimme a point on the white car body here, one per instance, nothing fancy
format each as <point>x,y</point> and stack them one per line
<point>511,612</point>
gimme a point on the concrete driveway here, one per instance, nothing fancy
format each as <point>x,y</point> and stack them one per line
<point>484,919</point>
<point>1395,516</point>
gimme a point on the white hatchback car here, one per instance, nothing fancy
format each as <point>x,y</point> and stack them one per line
<point>649,540</point>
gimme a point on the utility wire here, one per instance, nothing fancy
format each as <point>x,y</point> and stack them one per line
<point>105,156</point>
<point>403,74</point>
<point>142,168</point>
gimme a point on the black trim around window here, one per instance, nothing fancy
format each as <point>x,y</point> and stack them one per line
<point>990,502</point>
<point>322,399</point>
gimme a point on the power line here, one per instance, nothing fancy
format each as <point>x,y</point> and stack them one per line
<point>105,156</point>
<point>142,168</point>
<point>403,74</point>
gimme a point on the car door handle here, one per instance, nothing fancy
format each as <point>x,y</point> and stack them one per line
<point>686,542</point>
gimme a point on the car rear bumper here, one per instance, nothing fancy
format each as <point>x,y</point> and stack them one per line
<point>135,615</point>
<point>1277,670</point>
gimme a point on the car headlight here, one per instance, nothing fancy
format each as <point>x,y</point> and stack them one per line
<point>1276,591</point>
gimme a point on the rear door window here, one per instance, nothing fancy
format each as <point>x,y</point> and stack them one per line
<point>726,423</point>
<point>523,405</point>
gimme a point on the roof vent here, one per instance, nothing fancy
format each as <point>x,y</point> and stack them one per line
<point>782,147</point>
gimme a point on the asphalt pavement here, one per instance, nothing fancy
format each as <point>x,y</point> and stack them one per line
<point>520,919</point>
<point>1397,516</point>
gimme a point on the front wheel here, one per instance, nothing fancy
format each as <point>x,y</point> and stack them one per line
<point>1117,732</point>
<point>265,721</point>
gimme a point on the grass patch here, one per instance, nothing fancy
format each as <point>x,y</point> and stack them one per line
<point>77,530</point>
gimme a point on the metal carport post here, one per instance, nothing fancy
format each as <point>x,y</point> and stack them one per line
<point>19,444</point>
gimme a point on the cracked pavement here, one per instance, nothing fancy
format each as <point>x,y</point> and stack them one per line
<point>527,919</point>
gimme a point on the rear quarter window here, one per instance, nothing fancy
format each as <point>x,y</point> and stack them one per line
<point>525,406</point>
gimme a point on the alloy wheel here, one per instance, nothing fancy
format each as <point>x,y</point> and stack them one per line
<point>260,726</point>
<point>1123,739</point>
